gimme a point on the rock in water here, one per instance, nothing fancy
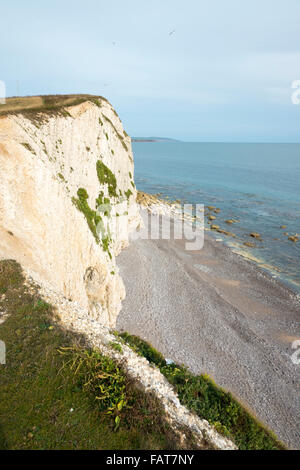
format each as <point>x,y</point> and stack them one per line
<point>255,235</point>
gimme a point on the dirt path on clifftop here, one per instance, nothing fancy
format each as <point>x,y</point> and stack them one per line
<point>218,313</point>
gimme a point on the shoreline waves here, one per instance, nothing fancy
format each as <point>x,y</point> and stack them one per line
<point>155,204</point>
<point>251,195</point>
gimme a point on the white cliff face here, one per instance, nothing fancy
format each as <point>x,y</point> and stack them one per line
<point>46,224</point>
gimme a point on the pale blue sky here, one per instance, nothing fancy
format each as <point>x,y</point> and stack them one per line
<point>225,74</point>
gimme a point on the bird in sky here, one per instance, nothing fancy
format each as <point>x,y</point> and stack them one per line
<point>171,32</point>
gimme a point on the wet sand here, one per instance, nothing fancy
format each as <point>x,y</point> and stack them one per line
<point>218,313</point>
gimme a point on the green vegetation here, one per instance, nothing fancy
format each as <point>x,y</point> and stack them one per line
<point>99,376</point>
<point>56,393</point>
<point>28,147</point>
<point>201,395</point>
<point>94,220</point>
<point>102,201</point>
<point>92,217</point>
<point>96,101</point>
<point>61,177</point>
<point>116,346</point>
<point>128,193</point>
<point>65,113</point>
<point>44,147</point>
<point>124,145</point>
<point>105,244</point>
<point>121,138</point>
<point>143,348</point>
<point>106,176</point>
<point>110,122</point>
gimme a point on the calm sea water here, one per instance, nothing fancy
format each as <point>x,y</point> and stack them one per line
<point>258,184</point>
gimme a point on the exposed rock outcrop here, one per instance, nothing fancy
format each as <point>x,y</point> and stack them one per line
<point>56,168</point>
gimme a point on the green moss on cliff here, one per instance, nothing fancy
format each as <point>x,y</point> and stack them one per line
<point>92,217</point>
<point>121,138</point>
<point>128,193</point>
<point>101,200</point>
<point>106,176</point>
<point>61,177</point>
<point>124,145</point>
<point>28,147</point>
<point>96,101</point>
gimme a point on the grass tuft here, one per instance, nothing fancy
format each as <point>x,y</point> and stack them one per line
<point>116,346</point>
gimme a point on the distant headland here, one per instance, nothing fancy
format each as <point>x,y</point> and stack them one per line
<point>153,139</point>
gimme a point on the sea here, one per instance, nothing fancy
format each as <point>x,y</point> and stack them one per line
<point>258,185</point>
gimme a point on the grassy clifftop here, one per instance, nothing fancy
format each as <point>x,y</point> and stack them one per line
<point>49,103</point>
<point>55,393</point>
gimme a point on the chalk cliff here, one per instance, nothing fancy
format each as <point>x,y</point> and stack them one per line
<point>57,166</point>
<point>67,207</point>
